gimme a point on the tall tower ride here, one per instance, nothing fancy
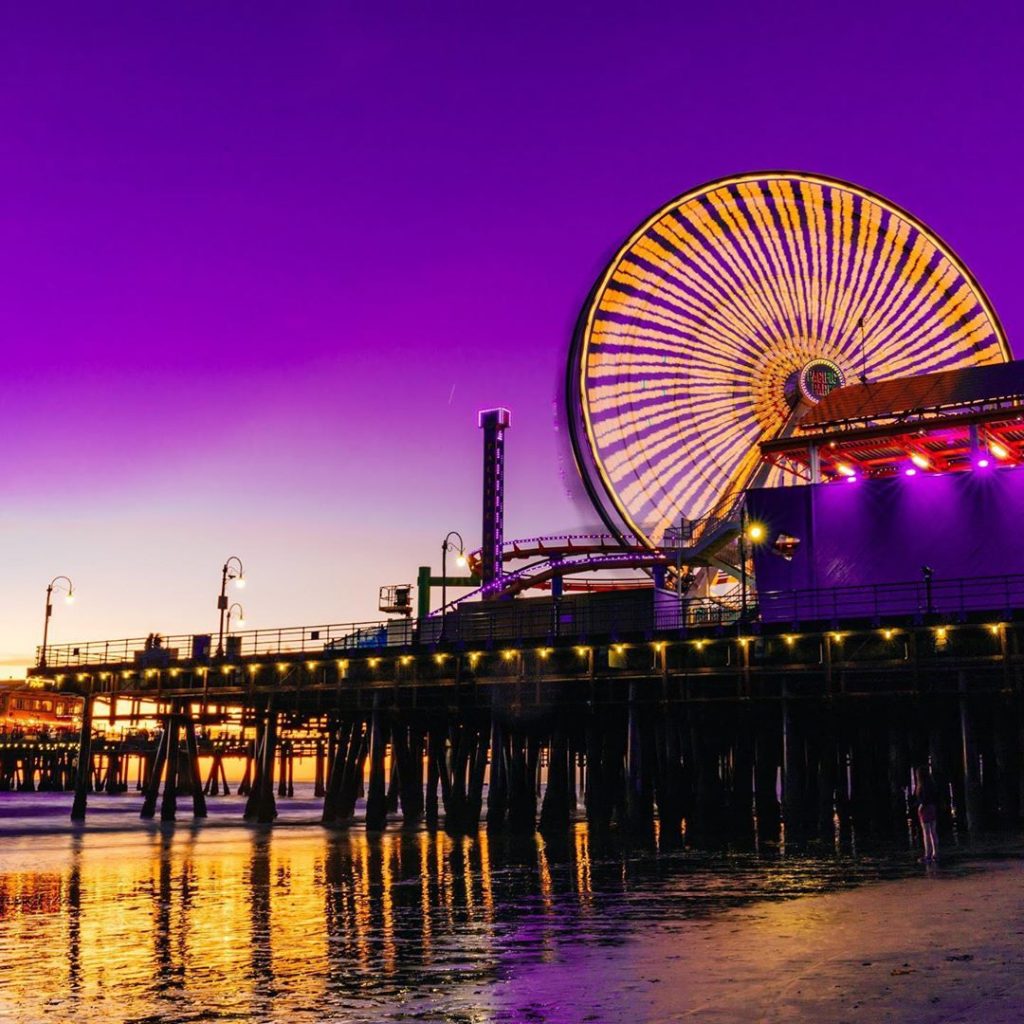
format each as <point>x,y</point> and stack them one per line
<point>494,423</point>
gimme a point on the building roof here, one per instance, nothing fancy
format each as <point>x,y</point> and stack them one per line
<point>901,397</point>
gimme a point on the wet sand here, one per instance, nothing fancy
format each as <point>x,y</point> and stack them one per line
<point>946,947</point>
<point>122,920</point>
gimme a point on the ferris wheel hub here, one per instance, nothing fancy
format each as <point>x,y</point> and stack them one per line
<point>817,378</point>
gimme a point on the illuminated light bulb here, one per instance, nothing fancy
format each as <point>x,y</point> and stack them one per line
<point>755,532</point>
<point>790,640</point>
<point>940,633</point>
<point>838,637</point>
<point>240,582</point>
<point>508,655</point>
<point>846,470</point>
<point>542,652</point>
<point>994,629</point>
<point>982,463</point>
<point>919,460</point>
<point>910,471</point>
<point>461,560</point>
<point>887,633</point>
<point>241,621</point>
<point>998,450</point>
<point>851,479</point>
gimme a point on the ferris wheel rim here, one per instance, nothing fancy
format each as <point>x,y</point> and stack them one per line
<point>603,491</point>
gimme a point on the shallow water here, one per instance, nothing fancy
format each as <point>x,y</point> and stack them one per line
<point>131,921</point>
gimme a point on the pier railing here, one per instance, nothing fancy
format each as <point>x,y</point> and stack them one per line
<point>614,616</point>
<point>945,598</point>
<point>472,624</point>
<point>156,650</point>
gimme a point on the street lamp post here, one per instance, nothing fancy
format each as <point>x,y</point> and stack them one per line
<point>241,622</point>
<point>232,571</point>
<point>448,544</point>
<point>68,597</point>
<point>743,564</point>
<point>754,533</point>
<point>241,615</point>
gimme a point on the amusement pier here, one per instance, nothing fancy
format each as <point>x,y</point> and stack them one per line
<point>796,415</point>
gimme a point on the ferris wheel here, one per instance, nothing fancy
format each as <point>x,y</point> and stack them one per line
<point>731,310</point>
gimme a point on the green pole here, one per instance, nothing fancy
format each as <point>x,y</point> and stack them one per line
<point>423,582</point>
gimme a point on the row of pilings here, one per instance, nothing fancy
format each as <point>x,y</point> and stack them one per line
<point>651,768</point>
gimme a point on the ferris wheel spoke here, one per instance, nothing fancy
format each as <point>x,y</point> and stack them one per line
<point>767,236</point>
<point>792,241</point>
<point>733,215</point>
<point>714,255</point>
<point>704,300</point>
<point>684,324</point>
<point>677,306</point>
<point>711,221</point>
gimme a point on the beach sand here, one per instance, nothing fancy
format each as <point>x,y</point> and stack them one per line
<point>946,947</point>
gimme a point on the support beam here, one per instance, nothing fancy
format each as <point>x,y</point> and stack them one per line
<point>376,794</point>
<point>192,750</point>
<point>82,768</point>
<point>152,788</point>
<point>169,803</point>
<point>497,790</point>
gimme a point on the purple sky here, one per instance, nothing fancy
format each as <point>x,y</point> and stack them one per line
<point>263,263</point>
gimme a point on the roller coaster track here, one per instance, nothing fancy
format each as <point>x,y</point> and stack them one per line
<point>571,554</point>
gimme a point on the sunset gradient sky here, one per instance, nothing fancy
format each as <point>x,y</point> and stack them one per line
<point>263,263</point>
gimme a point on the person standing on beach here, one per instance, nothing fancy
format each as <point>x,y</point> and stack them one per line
<point>926,793</point>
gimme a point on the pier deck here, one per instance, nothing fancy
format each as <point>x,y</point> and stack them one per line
<point>649,710</point>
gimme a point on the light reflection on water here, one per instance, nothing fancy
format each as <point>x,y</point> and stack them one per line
<point>237,923</point>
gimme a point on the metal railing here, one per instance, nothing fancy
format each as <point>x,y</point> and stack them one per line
<point>692,535</point>
<point>946,598</point>
<point>150,652</point>
<point>611,615</point>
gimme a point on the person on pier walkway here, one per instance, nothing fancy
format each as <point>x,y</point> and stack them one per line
<point>927,794</point>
